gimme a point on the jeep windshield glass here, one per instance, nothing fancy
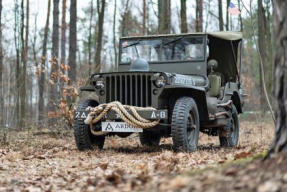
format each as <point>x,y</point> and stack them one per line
<point>146,49</point>
<point>161,50</point>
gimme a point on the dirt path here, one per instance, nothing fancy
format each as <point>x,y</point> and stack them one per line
<point>54,164</point>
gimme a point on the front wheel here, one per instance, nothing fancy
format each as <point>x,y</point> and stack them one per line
<point>229,136</point>
<point>185,125</point>
<point>82,132</point>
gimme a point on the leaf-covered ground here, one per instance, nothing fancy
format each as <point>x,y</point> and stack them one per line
<point>46,163</point>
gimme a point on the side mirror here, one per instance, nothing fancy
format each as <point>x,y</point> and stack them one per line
<point>212,64</point>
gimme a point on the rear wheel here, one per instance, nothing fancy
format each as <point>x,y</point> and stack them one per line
<point>229,136</point>
<point>149,138</point>
<point>82,133</point>
<point>185,124</point>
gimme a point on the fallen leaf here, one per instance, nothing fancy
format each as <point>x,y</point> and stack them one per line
<point>103,166</point>
<point>115,177</point>
<point>242,155</point>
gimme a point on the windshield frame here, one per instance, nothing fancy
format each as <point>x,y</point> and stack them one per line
<point>182,36</point>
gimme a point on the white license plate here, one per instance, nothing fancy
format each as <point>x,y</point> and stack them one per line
<point>119,127</point>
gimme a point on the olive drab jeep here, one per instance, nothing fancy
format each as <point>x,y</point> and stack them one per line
<point>191,81</point>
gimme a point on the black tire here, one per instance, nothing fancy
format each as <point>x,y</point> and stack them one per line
<point>149,138</point>
<point>229,137</point>
<point>185,125</point>
<point>82,133</point>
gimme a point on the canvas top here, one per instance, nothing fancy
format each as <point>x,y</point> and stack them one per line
<point>226,35</point>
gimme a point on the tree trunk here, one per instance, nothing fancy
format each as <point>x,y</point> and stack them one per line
<point>164,17</point>
<point>17,74</point>
<point>114,33</point>
<point>34,118</point>
<point>90,38</point>
<point>101,13</point>
<point>21,83</point>
<point>199,18</point>
<point>63,33</point>
<point>240,17</point>
<point>55,38</point>
<point>42,73</point>
<point>220,15</point>
<point>144,18</point>
<point>280,83</point>
<point>183,16</point>
<point>24,60</point>
<point>73,41</point>
<point>262,49</point>
<point>124,24</point>
<point>227,15</point>
<point>269,48</point>
<point>54,67</point>
<point>1,68</point>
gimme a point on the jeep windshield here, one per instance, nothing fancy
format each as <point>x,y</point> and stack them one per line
<point>161,50</point>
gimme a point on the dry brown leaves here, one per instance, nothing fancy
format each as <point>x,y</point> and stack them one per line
<point>49,164</point>
<point>69,90</point>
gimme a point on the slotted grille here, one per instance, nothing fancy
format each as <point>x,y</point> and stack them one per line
<point>131,89</point>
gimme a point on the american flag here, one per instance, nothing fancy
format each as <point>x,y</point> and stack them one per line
<point>233,10</point>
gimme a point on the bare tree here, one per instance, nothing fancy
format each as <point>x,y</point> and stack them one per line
<point>124,21</point>
<point>220,15</point>
<point>164,17</point>
<point>73,41</point>
<point>183,16</point>
<point>55,37</point>
<point>31,76</point>
<point>25,61</point>
<point>280,83</point>
<point>23,70</point>
<point>114,33</point>
<point>53,93</point>
<point>144,18</point>
<point>262,49</point>
<point>24,55</point>
<point>63,33</point>
<point>269,46</point>
<point>42,73</point>
<point>199,15</point>
<point>90,38</point>
<point>17,47</point>
<point>101,13</point>
<point>239,16</point>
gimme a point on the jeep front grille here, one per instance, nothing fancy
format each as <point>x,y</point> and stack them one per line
<point>131,89</point>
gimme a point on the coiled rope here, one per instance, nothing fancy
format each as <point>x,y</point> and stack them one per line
<point>135,120</point>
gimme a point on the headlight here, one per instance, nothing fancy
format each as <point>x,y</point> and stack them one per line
<point>160,81</point>
<point>100,83</point>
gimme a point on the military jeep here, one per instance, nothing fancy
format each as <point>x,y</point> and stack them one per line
<point>193,81</point>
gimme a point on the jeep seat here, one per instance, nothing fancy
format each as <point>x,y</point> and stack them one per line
<point>215,84</point>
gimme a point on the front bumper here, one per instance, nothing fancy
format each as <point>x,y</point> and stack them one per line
<point>161,114</point>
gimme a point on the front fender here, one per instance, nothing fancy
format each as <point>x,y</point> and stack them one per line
<point>172,93</point>
<point>237,101</point>
<point>231,93</point>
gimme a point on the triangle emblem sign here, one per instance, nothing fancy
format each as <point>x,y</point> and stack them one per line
<point>83,116</point>
<point>109,127</point>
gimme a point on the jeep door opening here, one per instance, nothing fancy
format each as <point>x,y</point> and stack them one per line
<point>188,83</point>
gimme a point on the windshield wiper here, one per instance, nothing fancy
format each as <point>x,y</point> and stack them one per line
<point>177,39</point>
<point>135,43</point>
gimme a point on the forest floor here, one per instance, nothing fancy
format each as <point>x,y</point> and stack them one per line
<point>52,163</point>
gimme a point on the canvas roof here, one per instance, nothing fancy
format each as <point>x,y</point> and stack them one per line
<point>226,35</point>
